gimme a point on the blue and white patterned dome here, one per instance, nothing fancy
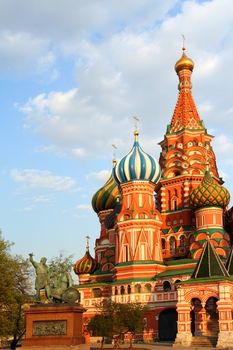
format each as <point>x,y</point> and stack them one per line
<point>137,166</point>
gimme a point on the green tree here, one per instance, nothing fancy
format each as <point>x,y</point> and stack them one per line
<point>133,315</point>
<point>15,290</point>
<point>60,262</point>
<point>101,325</point>
<point>116,319</point>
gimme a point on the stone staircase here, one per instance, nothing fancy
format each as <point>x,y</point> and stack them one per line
<point>204,341</point>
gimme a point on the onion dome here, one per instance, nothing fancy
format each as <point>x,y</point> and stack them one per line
<point>184,63</point>
<point>105,198</point>
<point>87,264</point>
<point>137,166</point>
<point>209,193</point>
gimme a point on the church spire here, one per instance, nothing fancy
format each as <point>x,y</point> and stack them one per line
<point>185,115</point>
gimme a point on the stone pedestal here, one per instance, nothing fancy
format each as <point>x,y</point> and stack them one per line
<point>57,326</point>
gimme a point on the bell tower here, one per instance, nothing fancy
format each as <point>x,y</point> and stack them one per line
<point>186,147</point>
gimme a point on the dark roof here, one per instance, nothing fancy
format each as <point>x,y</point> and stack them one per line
<point>209,264</point>
<point>229,263</point>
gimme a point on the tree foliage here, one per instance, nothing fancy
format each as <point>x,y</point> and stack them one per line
<point>116,319</point>
<point>15,290</point>
<point>59,263</point>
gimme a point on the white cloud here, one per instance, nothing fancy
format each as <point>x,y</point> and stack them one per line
<point>130,72</point>
<point>50,149</point>
<point>79,152</point>
<point>26,209</point>
<point>24,53</point>
<point>205,107</point>
<point>84,206</point>
<point>34,178</point>
<point>99,176</point>
<point>223,144</point>
<point>41,199</point>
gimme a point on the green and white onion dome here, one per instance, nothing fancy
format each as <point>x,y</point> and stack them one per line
<point>105,198</point>
<point>137,165</point>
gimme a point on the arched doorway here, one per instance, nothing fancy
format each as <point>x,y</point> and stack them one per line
<point>168,325</point>
<point>194,315</point>
<point>212,317</point>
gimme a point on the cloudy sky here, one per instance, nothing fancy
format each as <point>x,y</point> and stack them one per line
<point>72,75</point>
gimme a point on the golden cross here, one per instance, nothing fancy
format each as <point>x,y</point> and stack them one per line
<point>114,147</point>
<point>183,38</point>
<point>136,121</point>
<point>87,244</point>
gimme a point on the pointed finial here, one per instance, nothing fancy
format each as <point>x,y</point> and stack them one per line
<point>183,38</point>
<point>114,147</point>
<point>136,121</point>
<point>87,243</point>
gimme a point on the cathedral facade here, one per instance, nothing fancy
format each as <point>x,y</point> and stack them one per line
<point>163,240</point>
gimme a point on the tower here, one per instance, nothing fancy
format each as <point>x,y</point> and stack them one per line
<point>208,201</point>
<point>137,231</point>
<point>186,148</point>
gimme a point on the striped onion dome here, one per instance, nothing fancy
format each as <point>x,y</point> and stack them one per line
<point>86,265</point>
<point>209,193</point>
<point>137,165</point>
<point>105,198</point>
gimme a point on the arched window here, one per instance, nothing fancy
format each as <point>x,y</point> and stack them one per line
<point>116,290</point>
<point>172,243</point>
<point>182,241</point>
<point>174,203</point>
<point>163,244</point>
<point>148,288</point>
<point>96,293</point>
<point>166,286</point>
<point>203,220</point>
<point>129,289</point>
<point>137,288</point>
<point>126,253</point>
<point>176,282</point>
<point>169,200</point>
<point>122,290</point>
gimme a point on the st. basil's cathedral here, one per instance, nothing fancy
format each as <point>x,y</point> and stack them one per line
<point>165,234</point>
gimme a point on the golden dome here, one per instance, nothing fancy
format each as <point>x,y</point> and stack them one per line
<point>184,63</point>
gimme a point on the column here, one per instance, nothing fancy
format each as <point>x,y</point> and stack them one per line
<point>163,199</point>
<point>225,337</point>
<point>184,335</point>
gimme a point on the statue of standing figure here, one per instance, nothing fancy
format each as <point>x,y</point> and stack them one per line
<point>57,282</point>
<point>42,277</point>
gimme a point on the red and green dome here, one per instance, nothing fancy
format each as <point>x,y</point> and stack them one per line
<point>209,193</point>
<point>105,198</point>
<point>86,265</point>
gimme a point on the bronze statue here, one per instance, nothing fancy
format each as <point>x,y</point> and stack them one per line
<point>62,280</point>
<point>42,277</point>
<point>57,282</point>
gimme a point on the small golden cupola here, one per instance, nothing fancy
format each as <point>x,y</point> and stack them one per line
<point>87,264</point>
<point>184,63</point>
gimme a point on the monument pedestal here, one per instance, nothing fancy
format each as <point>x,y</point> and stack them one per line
<point>54,326</point>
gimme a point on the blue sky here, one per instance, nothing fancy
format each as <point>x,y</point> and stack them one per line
<point>72,75</point>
